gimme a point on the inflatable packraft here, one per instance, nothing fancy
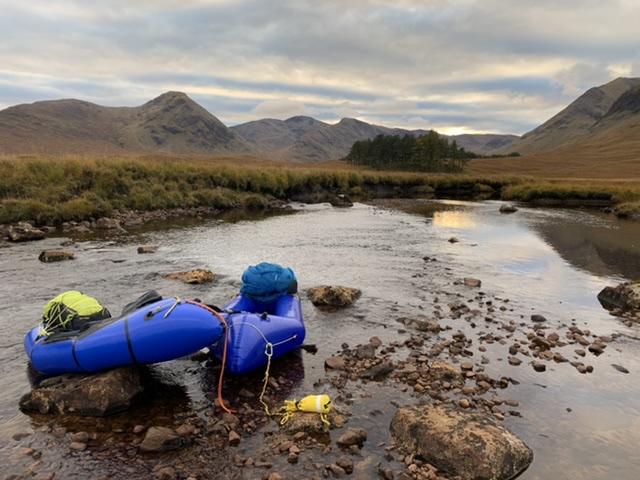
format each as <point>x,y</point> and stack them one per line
<point>257,330</point>
<point>151,330</point>
<point>264,320</point>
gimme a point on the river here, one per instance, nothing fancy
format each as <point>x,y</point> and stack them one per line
<point>551,262</point>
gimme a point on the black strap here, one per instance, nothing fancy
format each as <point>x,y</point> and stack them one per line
<point>75,355</point>
<point>129,344</point>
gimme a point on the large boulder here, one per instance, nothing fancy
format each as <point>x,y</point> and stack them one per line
<point>89,395</point>
<point>470,445</point>
<point>192,277</point>
<point>24,232</point>
<point>625,296</point>
<point>333,296</point>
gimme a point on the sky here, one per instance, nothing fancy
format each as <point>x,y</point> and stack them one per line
<point>458,66</point>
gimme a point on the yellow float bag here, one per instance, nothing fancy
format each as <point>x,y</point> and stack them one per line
<point>320,404</point>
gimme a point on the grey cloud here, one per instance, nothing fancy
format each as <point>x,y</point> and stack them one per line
<point>516,61</point>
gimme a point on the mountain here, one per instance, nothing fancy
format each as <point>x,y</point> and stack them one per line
<point>577,120</point>
<point>174,124</point>
<point>307,139</point>
<point>597,136</point>
<point>170,123</point>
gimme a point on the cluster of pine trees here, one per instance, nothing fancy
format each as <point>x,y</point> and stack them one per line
<point>427,153</point>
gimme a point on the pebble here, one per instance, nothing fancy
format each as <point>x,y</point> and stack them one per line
<point>620,368</point>
<point>234,438</point>
<point>79,446</point>
<point>539,367</point>
<point>538,318</point>
<point>80,437</point>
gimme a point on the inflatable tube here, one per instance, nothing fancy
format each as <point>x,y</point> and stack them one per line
<point>141,337</point>
<point>252,325</point>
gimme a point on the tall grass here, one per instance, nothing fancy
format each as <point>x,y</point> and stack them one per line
<point>55,190</point>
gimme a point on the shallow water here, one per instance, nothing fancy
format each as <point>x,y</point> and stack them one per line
<point>551,262</point>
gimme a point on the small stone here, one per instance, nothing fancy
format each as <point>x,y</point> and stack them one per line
<point>185,430</point>
<point>514,361</point>
<point>197,276</point>
<point>464,403</point>
<point>337,470</point>
<point>335,363</point>
<point>345,463</point>
<point>160,439</point>
<point>620,368</point>
<point>81,437</point>
<point>79,446</point>
<point>539,367</point>
<point>138,429</point>
<point>472,282</point>
<point>234,438</point>
<point>49,256</point>
<point>375,342</point>
<point>453,240</point>
<point>142,249</point>
<point>538,318</point>
<point>466,366</point>
<point>507,208</point>
<point>353,436</point>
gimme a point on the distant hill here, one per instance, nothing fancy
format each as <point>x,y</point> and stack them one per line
<point>577,120</point>
<point>307,139</point>
<point>170,123</point>
<point>596,136</point>
<point>174,124</point>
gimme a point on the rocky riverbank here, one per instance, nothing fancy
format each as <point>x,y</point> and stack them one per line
<point>117,223</point>
<point>455,351</point>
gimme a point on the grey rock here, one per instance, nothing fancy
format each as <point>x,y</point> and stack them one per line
<point>470,445</point>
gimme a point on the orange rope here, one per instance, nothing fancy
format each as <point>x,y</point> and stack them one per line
<point>224,351</point>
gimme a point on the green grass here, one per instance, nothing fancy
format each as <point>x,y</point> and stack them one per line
<point>55,190</point>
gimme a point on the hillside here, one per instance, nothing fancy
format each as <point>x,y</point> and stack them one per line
<point>576,121</point>
<point>171,123</point>
<point>307,139</point>
<point>174,124</point>
<point>599,143</point>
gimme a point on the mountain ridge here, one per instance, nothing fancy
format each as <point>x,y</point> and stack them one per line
<point>173,123</point>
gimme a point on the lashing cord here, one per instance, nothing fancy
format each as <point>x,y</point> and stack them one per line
<point>224,351</point>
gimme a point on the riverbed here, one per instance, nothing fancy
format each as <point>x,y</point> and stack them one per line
<point>550,262</point>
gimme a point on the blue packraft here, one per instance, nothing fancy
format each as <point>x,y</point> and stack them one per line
<point>266,282</point>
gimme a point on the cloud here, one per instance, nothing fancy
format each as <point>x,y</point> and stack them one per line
<point>452,64</point>
<point>280,109</point>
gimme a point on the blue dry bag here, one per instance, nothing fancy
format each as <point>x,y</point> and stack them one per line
<point>266,282</point>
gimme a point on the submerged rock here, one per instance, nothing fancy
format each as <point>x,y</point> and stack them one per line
<point>469,445</point>
<point>48,256</point>
<point>625,296</point>
<point>333,296</point>
<point>88,395</point>
<point>353,436</point>
<point>341,201</point>
<point>147,249</point>
<point>24,232</point>
<point>506,208</point>
<point>197,276</point>
<point>161,439</point>
<point>377,372</point>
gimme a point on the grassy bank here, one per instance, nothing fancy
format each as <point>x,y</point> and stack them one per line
<point>55,190</point>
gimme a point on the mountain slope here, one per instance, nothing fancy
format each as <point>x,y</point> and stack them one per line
<point>608,148</point>
<point>171,123</point>
<point>576,121</point>
<point>307,139</point>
